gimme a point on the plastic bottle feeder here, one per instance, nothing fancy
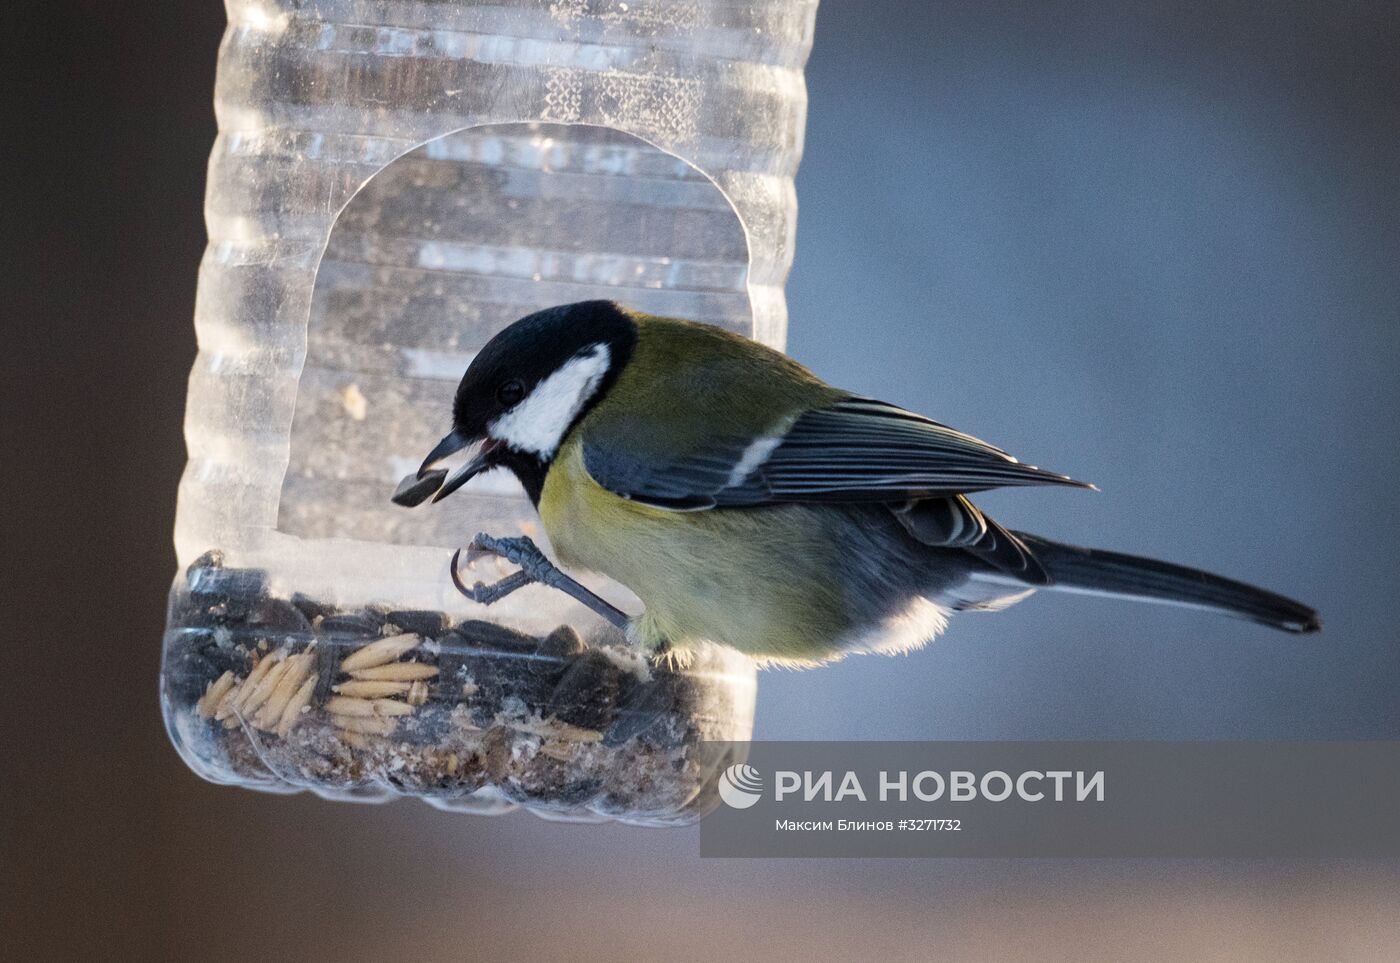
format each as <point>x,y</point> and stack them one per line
<point>394,182</point>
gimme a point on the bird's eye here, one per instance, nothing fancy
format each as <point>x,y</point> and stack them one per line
<point>510,393</point>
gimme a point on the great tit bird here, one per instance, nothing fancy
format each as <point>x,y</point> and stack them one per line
<point>748,503</point>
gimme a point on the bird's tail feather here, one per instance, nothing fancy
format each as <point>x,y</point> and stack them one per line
<point>1096,572</point>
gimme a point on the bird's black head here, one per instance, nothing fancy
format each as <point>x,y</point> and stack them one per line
<point>530,385</point>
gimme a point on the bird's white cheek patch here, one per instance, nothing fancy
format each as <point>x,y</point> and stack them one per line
<point>538,423</point>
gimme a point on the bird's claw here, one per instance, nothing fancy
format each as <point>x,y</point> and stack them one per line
<point>534,567</point>
<point>487,546</point>
<point>482,593</point>
<point>520,551</point>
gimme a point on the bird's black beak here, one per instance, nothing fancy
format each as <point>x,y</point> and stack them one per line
<point>450,445</point>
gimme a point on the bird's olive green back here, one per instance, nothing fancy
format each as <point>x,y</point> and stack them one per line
<point>688,386</point>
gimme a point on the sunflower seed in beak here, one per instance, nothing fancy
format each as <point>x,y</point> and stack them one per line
<point>415,491</point>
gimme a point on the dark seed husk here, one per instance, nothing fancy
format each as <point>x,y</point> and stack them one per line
<point>498,660</point>
<point>414,491</point>
<point>586,695</point>
<point>641,710</point>
<point>563,643</point>
<point>311,608</point>
<point>327,670</point>
<point>350,625</point>
<point>211,559</point>
<point>279,616</point>
<point>478,634</point>
<point>187,674</point>
<point>426,623</point>
<point>551,656</point>
<point>226,595</point>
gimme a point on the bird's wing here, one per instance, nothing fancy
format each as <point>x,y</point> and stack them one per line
<point>954,522</point>
<point>850,450</point>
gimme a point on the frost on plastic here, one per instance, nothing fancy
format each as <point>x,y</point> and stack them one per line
<point>394,182</point>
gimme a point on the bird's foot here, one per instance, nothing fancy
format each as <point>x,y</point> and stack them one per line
<point>534,568</point>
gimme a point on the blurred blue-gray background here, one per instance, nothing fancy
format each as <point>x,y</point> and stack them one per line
<point>1154,245</point>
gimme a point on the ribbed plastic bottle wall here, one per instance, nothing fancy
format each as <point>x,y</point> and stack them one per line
<point>394,182</point>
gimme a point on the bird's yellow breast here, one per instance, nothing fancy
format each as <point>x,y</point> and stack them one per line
<point>770,589</point>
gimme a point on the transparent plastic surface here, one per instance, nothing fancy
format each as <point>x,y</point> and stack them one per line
<point>393,182</point>
<point>289,694</point>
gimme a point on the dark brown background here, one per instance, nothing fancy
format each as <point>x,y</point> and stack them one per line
<point>112,850</point>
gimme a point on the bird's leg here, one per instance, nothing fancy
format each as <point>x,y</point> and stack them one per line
<point>534,567</point>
